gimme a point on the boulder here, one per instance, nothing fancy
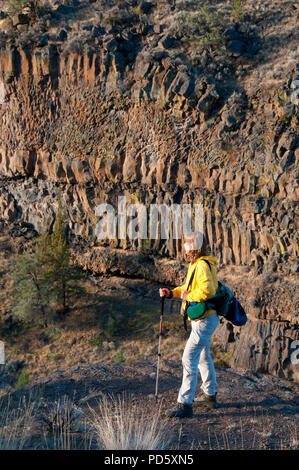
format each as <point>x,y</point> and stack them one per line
<point>167,91</point>
<point>183,85</point>
<point>207,103</point>
<point>288,141</point>
<point>20,18</point>
<point>145,7</point>
<point>168,42</point>
<point>287,160</point>
<point>62,35</point>
<point>158,53</point>
<point>110,44</point>
<point>98,31</point>
<point>229,119</point>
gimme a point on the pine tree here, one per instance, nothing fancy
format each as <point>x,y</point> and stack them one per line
<point>59,268</point>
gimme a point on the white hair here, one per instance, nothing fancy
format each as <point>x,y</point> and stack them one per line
<point>193,241</point>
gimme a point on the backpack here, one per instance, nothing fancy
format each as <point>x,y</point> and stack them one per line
<point>224,302</point>
<point>227,306</point>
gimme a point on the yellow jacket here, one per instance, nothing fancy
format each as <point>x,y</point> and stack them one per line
<point>204,284</point>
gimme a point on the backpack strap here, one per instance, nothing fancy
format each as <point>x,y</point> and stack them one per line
<point>191,277</point>
<point>206,261</point>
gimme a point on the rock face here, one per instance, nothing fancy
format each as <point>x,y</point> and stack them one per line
<point>130,112</point>
<point>64,122</point>
<point>262,346</point>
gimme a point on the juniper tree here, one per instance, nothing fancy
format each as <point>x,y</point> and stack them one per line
<point>62,274</point>
<point>31,294</point>
<point>47,276</point>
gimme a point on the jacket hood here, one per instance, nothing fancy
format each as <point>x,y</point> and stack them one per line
<point>212,259</point>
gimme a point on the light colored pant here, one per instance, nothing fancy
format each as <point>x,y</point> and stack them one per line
<point>197,358</point>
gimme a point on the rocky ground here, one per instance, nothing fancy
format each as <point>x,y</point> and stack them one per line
<point>256,411</point>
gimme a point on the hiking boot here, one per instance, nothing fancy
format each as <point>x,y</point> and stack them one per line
<point>181,411</point>
<point>207,401</point>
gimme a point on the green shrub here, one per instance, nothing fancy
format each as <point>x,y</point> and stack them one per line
<point>238,10</point>
<point>119,16</point>
<point>220,358</point>
<point>201,29</point>
<point>31,291</point>
<point>110,327</point>
<point>97,341</point>
<point>119,358</point>
<point>33,6</point>
<point>54,332</point>
<point>23,380</point>
<point>56,357</point>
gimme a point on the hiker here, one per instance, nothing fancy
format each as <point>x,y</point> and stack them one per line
<point>197,356</point>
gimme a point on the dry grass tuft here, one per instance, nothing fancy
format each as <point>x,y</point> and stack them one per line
<point>15,425</point>
<point>122,425</point>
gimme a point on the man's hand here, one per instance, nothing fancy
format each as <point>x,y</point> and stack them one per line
<point>164,292</point>
<point>184,294</point>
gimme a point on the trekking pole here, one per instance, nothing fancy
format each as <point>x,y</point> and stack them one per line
<point>159,345</point>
